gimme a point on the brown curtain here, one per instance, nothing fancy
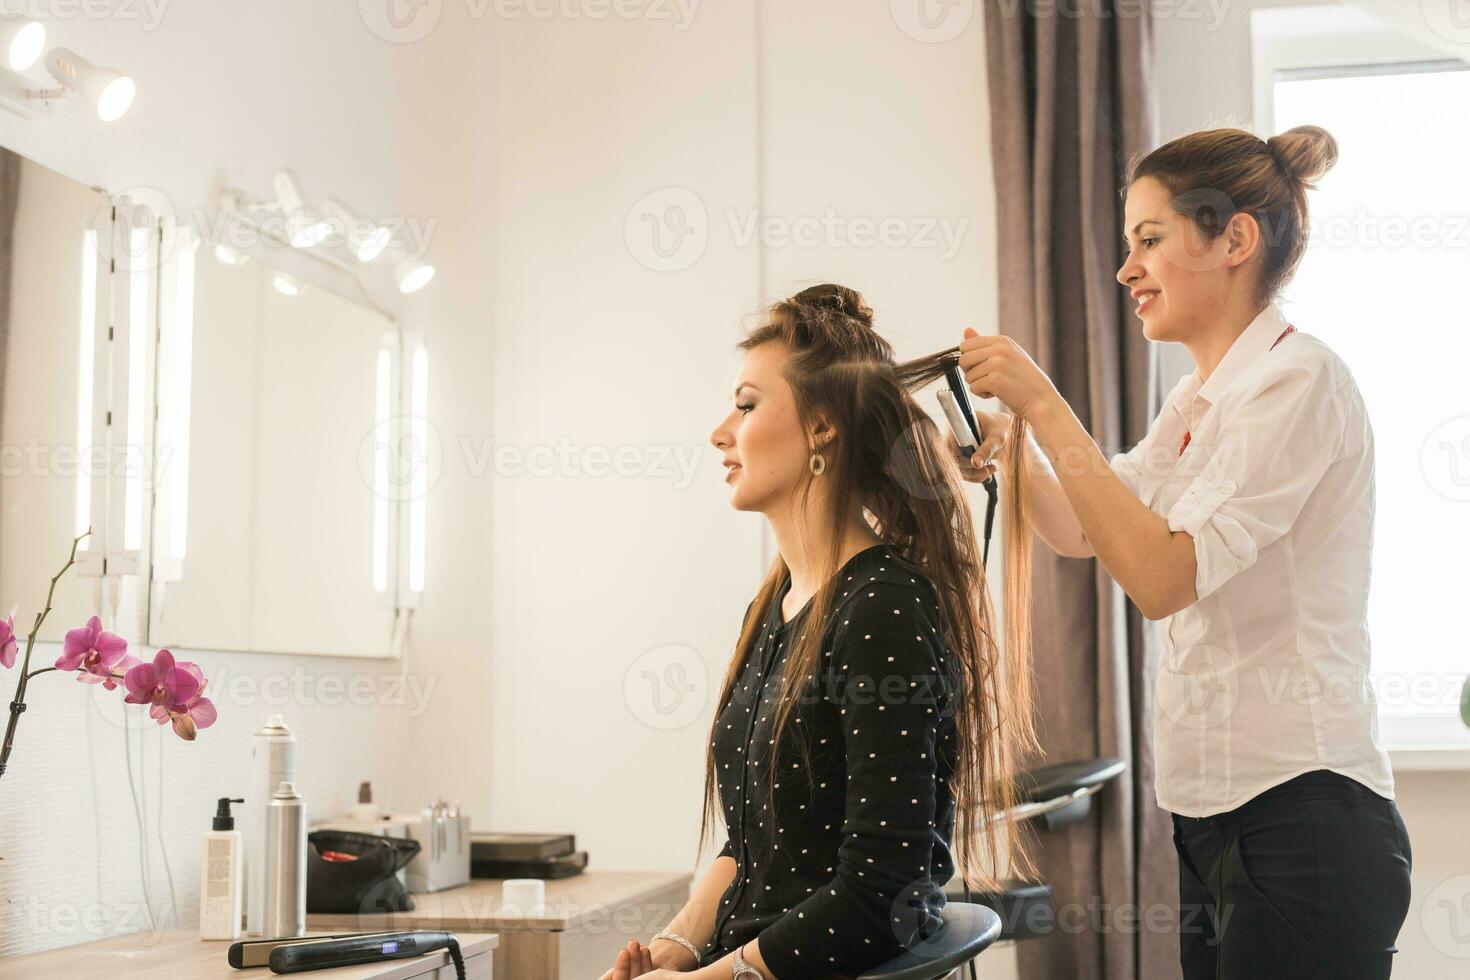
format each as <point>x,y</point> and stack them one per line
<point>1070,103</point>
<point>9,196</point>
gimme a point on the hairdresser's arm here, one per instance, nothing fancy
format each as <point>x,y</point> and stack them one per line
<point>1154,565</point>
<point>1052,515</point>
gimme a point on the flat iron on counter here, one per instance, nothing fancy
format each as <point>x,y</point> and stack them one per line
<point>498,855</point>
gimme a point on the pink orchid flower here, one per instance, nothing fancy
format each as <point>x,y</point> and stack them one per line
<point>198,712</point>
<point>7,641</point>
<point>161,683</point>
<point>95,652</point>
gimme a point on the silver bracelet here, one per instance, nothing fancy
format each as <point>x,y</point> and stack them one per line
<point>680,940</point>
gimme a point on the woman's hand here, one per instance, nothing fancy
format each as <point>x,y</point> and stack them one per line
<point>997,367</point>
<point>637,960</point>
<point>995,428</point>
<point>634,960</point>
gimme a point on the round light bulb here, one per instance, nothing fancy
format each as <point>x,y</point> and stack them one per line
<point>373,243</point>
<point>116,98</point>
<point>306,233</point>
<point>26,46</point>
<point>413,276</point>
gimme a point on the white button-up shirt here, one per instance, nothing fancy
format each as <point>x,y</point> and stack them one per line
<point>1265,675</point>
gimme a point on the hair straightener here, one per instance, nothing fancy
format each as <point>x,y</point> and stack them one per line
<point>955,401</point>
<point>294,955</point>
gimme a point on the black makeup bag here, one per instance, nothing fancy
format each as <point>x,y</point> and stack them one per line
<point>363,877</point>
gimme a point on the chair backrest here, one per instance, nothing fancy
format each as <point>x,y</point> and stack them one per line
<point>967,932</point>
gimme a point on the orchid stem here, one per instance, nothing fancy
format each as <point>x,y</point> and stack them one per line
<point>18,703</point>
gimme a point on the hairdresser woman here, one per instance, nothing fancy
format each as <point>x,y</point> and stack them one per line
<point>1242,524</point>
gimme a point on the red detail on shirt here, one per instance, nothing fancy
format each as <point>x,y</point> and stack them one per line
<point>1289,329</point>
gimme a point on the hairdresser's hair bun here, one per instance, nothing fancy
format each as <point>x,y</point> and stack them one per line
<point>848,302</point>
<point>1308,152</point>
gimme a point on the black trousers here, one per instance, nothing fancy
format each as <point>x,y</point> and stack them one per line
<point>1309,879</point>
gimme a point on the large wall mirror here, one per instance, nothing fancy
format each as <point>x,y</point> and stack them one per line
<point>285,541</point>
<point>228,433</point>
<point>55,300</point>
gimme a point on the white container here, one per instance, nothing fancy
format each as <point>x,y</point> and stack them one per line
<point>221,877</point>
<point>272,762</point>
<point>523,896</point>
<point>285,865</point>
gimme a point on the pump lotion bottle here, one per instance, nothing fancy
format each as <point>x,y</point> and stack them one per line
<point>220,877</point>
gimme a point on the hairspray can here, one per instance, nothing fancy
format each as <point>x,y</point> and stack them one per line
<point>285,864</point>
<point>272,762</point>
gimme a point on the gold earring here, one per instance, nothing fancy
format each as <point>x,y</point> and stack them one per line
<point>818,463</point>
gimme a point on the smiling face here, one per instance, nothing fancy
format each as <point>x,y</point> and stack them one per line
<point>762,435</point>
<point>1178,276</point>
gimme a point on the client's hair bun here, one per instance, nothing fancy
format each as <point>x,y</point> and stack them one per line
<point>1308,152</point>
<point>848,302</point>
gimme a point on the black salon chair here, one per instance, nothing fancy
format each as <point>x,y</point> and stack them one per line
<point>967,932</point>
<point>1057,795</point>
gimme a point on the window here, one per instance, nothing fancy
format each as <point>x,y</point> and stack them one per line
<point>1384,284</point>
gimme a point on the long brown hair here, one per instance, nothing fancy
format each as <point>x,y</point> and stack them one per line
<point>890,456</point>
<point>1215,174</point>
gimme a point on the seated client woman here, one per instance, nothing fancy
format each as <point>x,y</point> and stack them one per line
<point>866,724</point>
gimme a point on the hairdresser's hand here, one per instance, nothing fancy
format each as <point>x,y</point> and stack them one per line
<point>997,367</point>
<point>995,427</point>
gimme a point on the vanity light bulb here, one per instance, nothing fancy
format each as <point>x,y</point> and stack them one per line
<point>305,232</point>
<point>24,40</point>
<point>286,285</point>
<point>116,98</point>
<point>229,256</point>
<point>108,91</point>
<point>373,243</point>
<point>413,276</point>
<point>365,238</point>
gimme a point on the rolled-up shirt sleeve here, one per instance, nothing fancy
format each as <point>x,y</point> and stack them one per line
<point>1274,445</point>
<point>1126,466</point>
<point>887,678</point>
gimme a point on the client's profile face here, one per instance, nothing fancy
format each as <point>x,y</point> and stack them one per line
<point>761,435</point>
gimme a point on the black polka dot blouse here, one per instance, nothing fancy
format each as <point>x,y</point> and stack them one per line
<point>848,870</point>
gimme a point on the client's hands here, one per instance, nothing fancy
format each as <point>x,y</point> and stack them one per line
<point>995,427</point>
<point>634,960</point>
<point>637,960</point>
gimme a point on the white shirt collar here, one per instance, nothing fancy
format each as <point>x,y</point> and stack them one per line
<point>1254,341</point>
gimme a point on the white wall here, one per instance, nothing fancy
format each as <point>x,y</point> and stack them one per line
<point>597,353</point>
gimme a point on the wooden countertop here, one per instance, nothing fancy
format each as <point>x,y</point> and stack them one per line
<point>570,903</point>
<point>180,954</point>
